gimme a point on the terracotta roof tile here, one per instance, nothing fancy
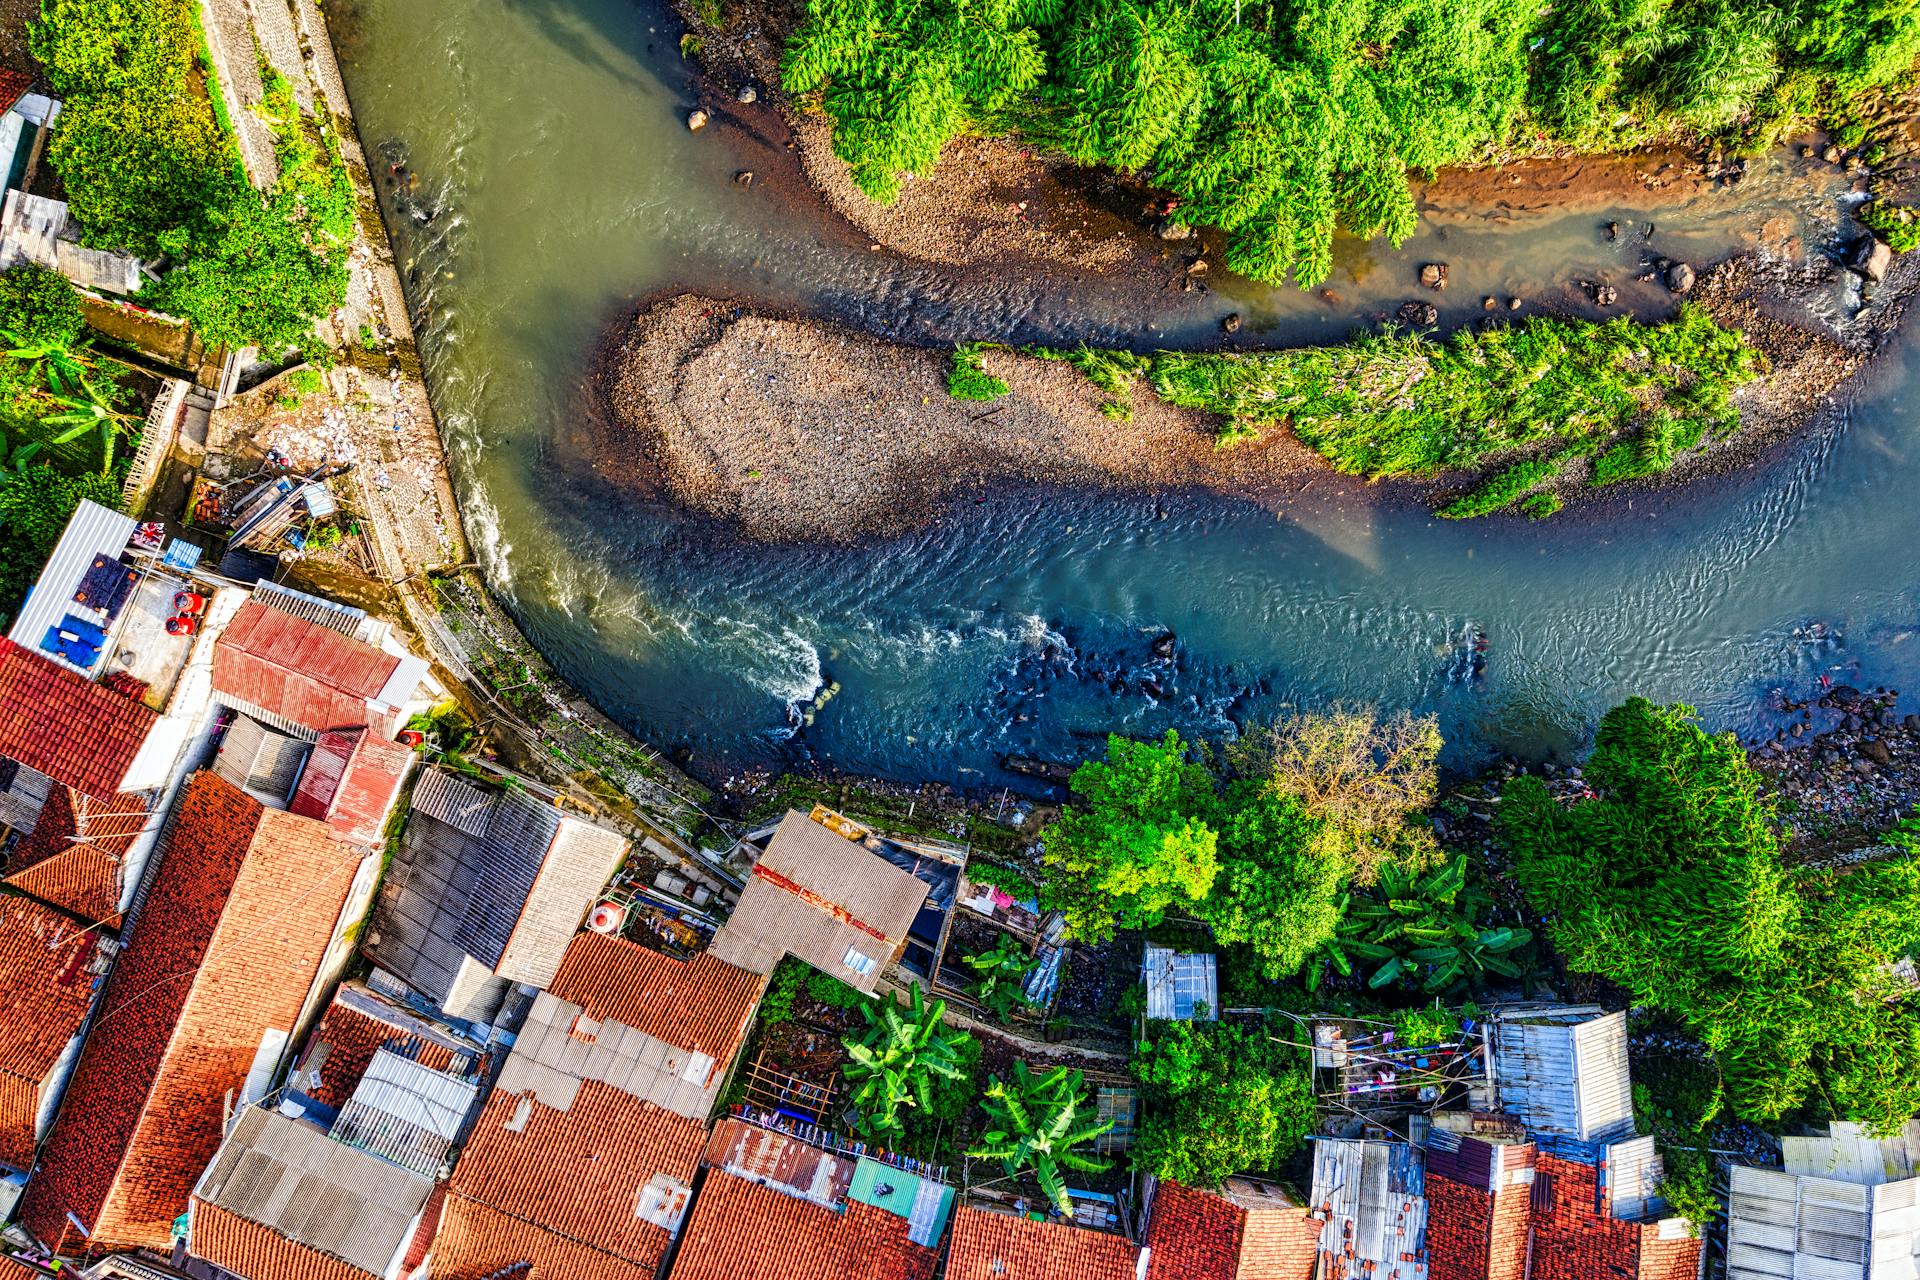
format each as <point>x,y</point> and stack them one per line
<point>1000,1246</point>
<point>1573,1241</point>
<point>1196,1235</point>
<point>61,723</point>
<point>702,1005</point>
<point>229,944</point>
<point>574,1175</point>
<point>13,86</point>
<point>82,876</point>
<point>739,1230</point>
<point>45,989</point>
<point>248,1249</point>
<point>298,670</point>
<point>476,1242</point>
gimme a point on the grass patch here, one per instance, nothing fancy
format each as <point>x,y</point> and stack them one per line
<point>1898,225</point>
<point>1502,489</point>
<point>969,379</point>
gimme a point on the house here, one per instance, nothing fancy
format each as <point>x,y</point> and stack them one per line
<point>662,1029</point>
<point>304,666</point>
<point>988,1245</point>
<point>487,887</point>
<point>1180,985</point>
<point>820,896</point>
<point>1245,1231</point>
<point>224,959</point>
<point>1562,1071</point>
<point>768,1149</point>
<point>1370,1197</point>
<point>286,1200</point>
<point>50,968</point>
<point>1845,1206</point>
<point>595,1188</point>
<point>739,1230</point>
<point>111,681</point>
<point>360,1023</point>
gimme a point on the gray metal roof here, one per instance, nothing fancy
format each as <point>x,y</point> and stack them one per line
<point>260,760</point>
<point>1178,983</point>
<point>288,1176</point>
<point>1564,1072</point>
<point>1377,1191</point>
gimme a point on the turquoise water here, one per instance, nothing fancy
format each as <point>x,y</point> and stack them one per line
<point>557,187</point>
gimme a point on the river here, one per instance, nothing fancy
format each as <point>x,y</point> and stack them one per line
<point>550,184</point>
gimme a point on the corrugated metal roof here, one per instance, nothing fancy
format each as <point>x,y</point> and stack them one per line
<point>405,1112</point>
<point>1179,983</point>
<point>92,531</point>
<point>328,613</point>
<point>1634,1169</point>
<point>1565,1073</point>
<point>1372,1196</point>
<point>1797,1225</point>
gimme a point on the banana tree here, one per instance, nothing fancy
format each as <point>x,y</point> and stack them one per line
<point>1038,1121</point>
<point>90,410</point>
<point>61,368</point>
<point>894,1062</point>
<point>1002,977</point>
<point>1424,931</point>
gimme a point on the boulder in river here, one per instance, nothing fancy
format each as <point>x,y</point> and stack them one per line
<point>1870,257</point>
<point>1163,644</point>
<point>1680,278</point>
<point>1603,295</point>
<point>696,120</point>
<point>747,95</point>
<point>1172,230</point>
<point>1876,751</point>
<point>1419,314</point>
<point>1433,275</point>
<point>744,178</point>
<point>1831,155</point>
<point>1231,324</point>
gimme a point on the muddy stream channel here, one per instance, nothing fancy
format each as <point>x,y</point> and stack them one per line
<point>551,185</point>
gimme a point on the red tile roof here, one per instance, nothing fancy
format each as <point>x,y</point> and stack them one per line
<point>298,670</point>
<point>1472,1235</point>
<point>64,725</point>
<point>702,1005</point>
<point>1195,1235</point>
<point>246,1248</point>
<point>83,876</point>
<point>228,946</point>
<point>13,87</point>
<point>350,782</point>
<point>739,1230</point>
<point>44,993</point>
<point>1000,1246</point>
<point>538,1183</point>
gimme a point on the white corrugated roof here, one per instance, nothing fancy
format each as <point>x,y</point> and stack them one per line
<point>1564,1072</point>
<point>93,531</point>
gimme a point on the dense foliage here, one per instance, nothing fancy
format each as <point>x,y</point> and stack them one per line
<point>1632,397</point>
<point>1260,850</point>
<point>1218,1099</point>
<point>1426,931</point>
<point>1279,122</point>
<point>62,421</point>
<point>1671,884</point>
<point>148,170</point>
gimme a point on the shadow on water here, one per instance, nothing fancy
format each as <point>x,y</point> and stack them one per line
<point>543,142</point>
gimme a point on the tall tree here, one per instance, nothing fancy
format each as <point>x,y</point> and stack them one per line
<point>1671,884</point>
<point>1137,844</point>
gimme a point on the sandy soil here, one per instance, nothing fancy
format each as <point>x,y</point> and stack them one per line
<point>799,430</point>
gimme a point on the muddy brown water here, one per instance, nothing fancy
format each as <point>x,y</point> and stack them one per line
<point>549,184</point>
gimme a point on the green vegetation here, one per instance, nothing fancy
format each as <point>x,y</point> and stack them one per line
<point>1218,1099</point>
<point>1633,397</point>
<point>1671,884</point>
<point>149,170</point>
<point>1426,932</point>
<point>1898,225</point>
<point>1263,849</point>
<point>1677,1096</point>
<point>1002,974</point>
<point>968,380</point>
<point>895,1063</point>
<point>1280,122</point>
<point>1037,1124</point>
<point>62,423</point>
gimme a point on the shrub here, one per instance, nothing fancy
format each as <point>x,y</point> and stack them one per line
<point>39,308</point>
<point>1217,1100</point>
<point>969,379</point>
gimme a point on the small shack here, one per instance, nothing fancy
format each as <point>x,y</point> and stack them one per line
<point>1181,986</point>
